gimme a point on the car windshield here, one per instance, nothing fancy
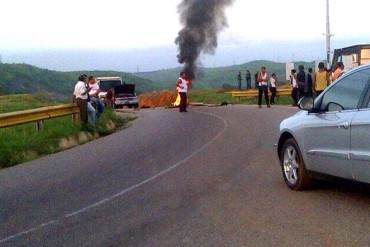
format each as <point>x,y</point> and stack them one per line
<point>106,85</point>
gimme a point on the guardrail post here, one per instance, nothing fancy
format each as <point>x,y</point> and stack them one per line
<point>39,125</point>
<point>75,118</point>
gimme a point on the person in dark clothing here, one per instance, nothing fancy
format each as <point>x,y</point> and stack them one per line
<point>301,81</point>
<point>263,79</point>
<point>309,89</point>
<point>256,81</point>
<point>248,78</point>
<point>240,80</point>
<point>294,85</point>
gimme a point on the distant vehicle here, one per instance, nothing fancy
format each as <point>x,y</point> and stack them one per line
<point>352,56</point>
<point>116,93</point>
<point>124,95</point>
<point>331,136</point>
<point>107,84</point>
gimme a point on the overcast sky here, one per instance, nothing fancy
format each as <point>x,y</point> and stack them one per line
<point>126,24</point>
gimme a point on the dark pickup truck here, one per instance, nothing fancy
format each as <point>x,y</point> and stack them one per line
<point>124,95</point>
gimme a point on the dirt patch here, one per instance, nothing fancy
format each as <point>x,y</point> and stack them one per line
<point>157,99</point>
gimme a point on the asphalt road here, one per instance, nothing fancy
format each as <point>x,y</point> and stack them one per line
<point>206,178</point>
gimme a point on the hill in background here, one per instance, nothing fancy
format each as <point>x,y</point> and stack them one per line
<point>219,77</point>
<point>23,78</point>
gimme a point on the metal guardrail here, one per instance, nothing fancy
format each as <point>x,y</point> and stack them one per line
<point>254,93</point>
<point>38,115</point>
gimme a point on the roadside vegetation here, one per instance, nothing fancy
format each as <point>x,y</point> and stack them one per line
<point>19,102</point>
<point>23,143</point>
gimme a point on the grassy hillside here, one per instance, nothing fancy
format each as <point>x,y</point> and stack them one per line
<point>19,102</point>
<point>23,78</point>
<point>217,77</point>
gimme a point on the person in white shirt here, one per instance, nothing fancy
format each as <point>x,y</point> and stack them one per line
<point>81,97</point>
<point>263,78</point>
<point>294,85</point>
<point>273,81</point>
<point>183,86</point>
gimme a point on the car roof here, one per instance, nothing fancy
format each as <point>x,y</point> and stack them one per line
<point>361,67</point>
<point>108,78</point>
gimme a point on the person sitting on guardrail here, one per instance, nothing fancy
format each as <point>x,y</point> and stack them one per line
<point>94,96</point>
<point>81,97</point>
<point>81,94</point>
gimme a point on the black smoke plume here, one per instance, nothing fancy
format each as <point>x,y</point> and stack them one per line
<point>202,21</point>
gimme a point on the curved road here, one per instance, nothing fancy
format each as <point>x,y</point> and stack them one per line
<point>206,178</point>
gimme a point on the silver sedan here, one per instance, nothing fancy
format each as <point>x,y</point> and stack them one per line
<point>331,135</point>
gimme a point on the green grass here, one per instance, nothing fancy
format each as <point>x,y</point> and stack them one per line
<point>19,102</point>
<point>213,96</point>
<point>23,143</point>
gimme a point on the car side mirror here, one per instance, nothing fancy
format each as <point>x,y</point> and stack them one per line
<point>332,107</point>
<point>306,104</point>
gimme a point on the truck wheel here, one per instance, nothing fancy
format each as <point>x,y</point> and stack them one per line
<point>293,167</point>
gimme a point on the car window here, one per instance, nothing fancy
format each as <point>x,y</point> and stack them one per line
<point>107,85</point>
<point>348,91</point>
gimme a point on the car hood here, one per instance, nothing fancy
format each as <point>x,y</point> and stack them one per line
<point>293,121</point>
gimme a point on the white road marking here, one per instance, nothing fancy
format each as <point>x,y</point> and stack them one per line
<point>123,192</point>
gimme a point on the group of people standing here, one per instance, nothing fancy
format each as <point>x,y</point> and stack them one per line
<point>309,84</point>
<point>248,79</point>
<point>264,82</point>
<point>86,96</point>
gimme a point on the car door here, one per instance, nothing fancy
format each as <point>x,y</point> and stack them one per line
<point>360,138</point>
<point>327,137</point>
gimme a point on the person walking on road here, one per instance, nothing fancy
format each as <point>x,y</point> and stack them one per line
<point>294,85</point>
<point>248,78</point>
<point>240,80</point>
<point>263,79</point>
<point>183,87</point>
<point>321,80</point>
<point>273,81</point>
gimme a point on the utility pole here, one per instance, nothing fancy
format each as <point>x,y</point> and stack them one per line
<point>328,34</point>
